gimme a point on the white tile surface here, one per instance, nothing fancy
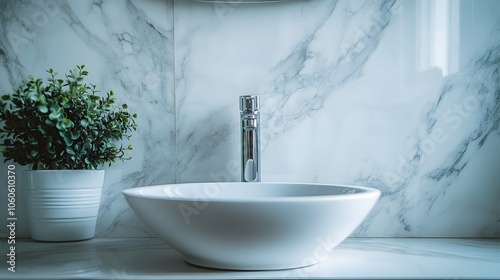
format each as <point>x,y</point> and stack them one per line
<point>356,258</point>
<point>127,47</point>
<point>376,93</point>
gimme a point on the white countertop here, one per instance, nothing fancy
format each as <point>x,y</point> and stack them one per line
<point>355,258</point>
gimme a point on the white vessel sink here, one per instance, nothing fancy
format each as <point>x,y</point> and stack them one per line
<point>252,226</point>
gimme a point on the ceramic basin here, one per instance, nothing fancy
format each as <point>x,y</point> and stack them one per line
<point>252,226</point>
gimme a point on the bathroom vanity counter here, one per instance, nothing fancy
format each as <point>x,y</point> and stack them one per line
<point>355,258</point>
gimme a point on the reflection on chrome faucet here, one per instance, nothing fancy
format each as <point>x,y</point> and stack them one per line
<point>250,136</point>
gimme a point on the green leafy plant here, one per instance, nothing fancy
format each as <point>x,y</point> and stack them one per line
<point>63,124</point>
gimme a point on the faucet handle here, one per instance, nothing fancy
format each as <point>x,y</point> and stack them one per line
<point>249,103</point>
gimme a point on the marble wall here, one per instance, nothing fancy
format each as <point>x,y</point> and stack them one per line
<point>402,96</point>
<point>127,46</point>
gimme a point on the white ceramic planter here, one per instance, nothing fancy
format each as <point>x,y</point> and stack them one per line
<point>63,204</point>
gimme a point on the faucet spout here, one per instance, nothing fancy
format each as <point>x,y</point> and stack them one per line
<point>250,138</point>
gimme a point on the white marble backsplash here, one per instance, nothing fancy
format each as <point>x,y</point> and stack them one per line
<point>402,96</point>
<point>127,46</point>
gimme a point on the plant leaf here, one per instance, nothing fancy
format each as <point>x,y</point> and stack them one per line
<point>33,95</point>
<point>75,135</point>
<point>70,151</point>
<point>40,128</point>
<point>49,122</point>
<point>43,108</point>
<point>65,124</point>
<point>55,115</point>
<point>84,123</point>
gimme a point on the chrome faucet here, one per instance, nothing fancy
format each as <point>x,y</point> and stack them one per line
<point>250,137</point>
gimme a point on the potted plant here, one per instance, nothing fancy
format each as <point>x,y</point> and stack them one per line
<point>65,132</point>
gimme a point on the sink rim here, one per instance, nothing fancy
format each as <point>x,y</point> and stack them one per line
<point>140,192</point>
<point>260,229</point>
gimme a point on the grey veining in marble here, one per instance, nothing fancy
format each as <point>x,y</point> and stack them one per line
<point>376,93</point>
<point>398,95</point>
<point>127,46</point>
